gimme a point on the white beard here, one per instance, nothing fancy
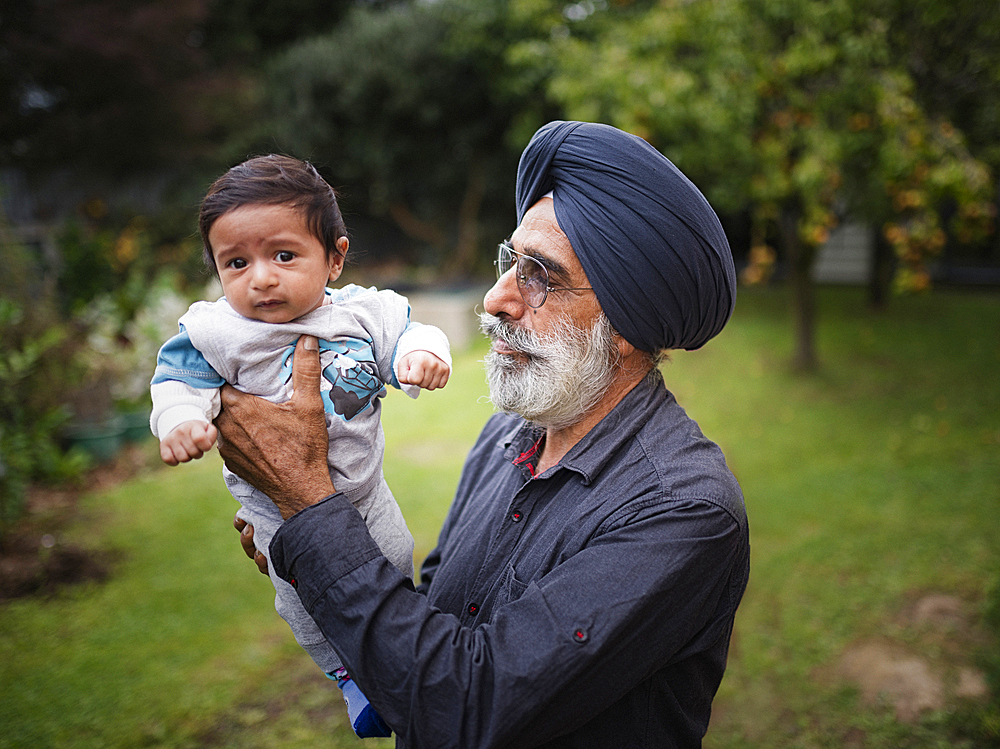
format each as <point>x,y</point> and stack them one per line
<point>559,377</point>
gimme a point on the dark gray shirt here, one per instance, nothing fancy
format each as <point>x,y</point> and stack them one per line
<point>590,606</point>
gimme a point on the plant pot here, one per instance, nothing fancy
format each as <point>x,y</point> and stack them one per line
<point>101,440</point>
<point>136,425</point>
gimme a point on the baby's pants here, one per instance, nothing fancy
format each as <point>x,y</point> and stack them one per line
<point>385,523</point>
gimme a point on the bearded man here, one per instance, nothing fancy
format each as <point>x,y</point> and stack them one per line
<point>586,579</point>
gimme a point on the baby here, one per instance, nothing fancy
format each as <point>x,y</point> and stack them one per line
<point>274,235</point>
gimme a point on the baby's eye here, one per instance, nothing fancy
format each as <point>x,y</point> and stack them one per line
<point>285,256</point>
<point>237,263</point>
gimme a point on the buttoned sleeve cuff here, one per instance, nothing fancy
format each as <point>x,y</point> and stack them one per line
<point>319,545</point>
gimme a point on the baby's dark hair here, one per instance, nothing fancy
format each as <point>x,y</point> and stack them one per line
<point>274,180</point>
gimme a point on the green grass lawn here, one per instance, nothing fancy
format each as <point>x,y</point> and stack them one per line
<point>869,485</point>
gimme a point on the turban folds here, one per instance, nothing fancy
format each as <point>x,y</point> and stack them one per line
<point>650,244</point>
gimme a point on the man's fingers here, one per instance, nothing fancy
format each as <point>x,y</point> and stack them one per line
<point>246,536</point>
<point>229,396</point>
<point>233,402</point>
<point>261,561</point>
<point>246,541</point>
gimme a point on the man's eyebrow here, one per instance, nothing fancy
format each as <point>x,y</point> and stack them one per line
<point>557,271</point>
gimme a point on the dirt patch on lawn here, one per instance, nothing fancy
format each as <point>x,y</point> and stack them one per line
<point>933,669</point>
<point>37,557</point>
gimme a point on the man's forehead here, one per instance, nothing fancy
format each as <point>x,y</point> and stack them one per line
<point>540,236</point>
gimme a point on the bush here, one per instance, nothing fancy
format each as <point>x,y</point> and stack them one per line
<point>32,374</point>
<point>81,320</point>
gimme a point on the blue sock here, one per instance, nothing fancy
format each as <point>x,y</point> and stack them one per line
<point>365,721</point>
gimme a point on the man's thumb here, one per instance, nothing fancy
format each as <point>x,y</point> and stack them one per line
<point>306,371</point>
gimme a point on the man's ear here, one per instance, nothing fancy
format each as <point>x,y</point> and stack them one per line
<point>337,258</point>
<point>625,349</point>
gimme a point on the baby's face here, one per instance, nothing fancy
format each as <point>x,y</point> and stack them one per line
<point>271,266</point>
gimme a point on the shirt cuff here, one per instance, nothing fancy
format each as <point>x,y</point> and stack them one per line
<point>174,417</point>
<point>321,544</point>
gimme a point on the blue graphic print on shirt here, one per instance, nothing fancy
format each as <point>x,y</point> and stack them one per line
<point>349,367</point>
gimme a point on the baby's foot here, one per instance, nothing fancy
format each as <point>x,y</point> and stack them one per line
<point>367,723</point>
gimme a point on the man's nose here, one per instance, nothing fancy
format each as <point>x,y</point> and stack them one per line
<point>504,297</point>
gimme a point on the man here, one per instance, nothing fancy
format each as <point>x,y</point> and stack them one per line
<point>583,590</point>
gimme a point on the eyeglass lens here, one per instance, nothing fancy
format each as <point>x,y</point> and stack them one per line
<point>532,277</point>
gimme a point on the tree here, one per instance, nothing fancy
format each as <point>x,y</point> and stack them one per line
<point>96,83</point>
<point>409,107</point>
<point>795,109</point>
<point>249,31</point>
<point>951,51</point>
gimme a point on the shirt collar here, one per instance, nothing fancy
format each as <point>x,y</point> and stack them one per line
<point>588,456</point>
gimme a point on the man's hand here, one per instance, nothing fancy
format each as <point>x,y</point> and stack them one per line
<point>280,448</point>
<point>246,541</point>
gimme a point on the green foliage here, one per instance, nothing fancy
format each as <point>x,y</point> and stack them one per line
<point>112,261</point>
<point>950,50</point>
<point>250,30</point>
<point>107,254</point>
<point>31,414</point>
<point>75,349</point>
<point>88,269</point>
<point>798,112</point>
<point>409,108</point>
<point>797,106</point>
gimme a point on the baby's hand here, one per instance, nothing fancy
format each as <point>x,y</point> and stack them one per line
<point>423,369</point>
<point>187,441</point>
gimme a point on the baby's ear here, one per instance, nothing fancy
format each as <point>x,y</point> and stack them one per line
<point>336,259</point>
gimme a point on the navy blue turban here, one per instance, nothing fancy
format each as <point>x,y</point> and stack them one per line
<point>648,240</point>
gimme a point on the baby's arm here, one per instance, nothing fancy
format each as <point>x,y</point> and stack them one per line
<point>187,441</point>
<point>424,369</point>
<point>185,393</point>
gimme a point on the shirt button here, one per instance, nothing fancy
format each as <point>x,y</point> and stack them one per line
<point>473,608</point>
<point>580,634</point>
<point>516,516</point>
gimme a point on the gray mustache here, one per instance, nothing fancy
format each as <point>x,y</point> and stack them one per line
<point>517,338</point>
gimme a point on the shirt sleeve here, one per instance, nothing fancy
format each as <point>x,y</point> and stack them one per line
<point>185,387</point>
<point>176,402</point>
<point>569,647</point>
<point>179,360</point>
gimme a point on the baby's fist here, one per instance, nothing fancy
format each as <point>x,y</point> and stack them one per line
<point>423,369</point>
<point>187,441</point>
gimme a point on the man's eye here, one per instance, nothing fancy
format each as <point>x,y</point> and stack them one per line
<point>534,281</point>
<point>533,275</point>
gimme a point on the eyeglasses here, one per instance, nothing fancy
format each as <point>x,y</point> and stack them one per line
<point>532,277</point>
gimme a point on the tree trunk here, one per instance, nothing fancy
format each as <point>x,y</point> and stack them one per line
<point>881,272</point>
<point>464,258</point>
<point>800,260</point>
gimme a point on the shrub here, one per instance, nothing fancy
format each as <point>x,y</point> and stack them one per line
<point>32,373</point>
